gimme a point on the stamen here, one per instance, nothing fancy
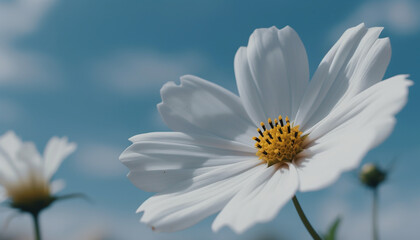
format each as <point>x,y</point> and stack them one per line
<point>263,126</point>
<point>270,122</point>
<point>279,144</point>
<point>281,121</point>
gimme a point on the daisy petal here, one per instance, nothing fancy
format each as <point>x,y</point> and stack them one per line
<point>259,200</point>
<point>171,157</point>
<point>200,107</point>
<point>272,73</point>
<point>357,61</point>
<point>10,143</point>
<point>197,198</point>
<point>28,159</point>
<point>56,150</point>
<point>9,146</point>
<point>340,141</point>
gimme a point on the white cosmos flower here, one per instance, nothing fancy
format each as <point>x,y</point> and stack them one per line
<point>211,162</point>
<point>25,175</point>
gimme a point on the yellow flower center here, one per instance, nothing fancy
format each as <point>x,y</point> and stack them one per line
<point>281,143</point>
<point>29,195</point>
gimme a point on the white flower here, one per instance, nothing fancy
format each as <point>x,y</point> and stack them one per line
<point>25,175</point>
<point>211,162</point>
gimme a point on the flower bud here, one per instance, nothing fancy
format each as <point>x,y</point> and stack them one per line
<point>371,175</point>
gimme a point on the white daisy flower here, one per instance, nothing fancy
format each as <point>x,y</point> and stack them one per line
<point>247,156</point>
<point>25,175</point>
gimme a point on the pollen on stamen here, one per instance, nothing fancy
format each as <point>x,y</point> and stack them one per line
<point>263,126</point>
<point>271,123</point>
<point>281,143</point>
<point>259,131</point>
<point>281,121</point>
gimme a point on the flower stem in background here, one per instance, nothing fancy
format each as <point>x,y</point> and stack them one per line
<point>372,176</point>
<point>305,221</point>
<point>375,214</point>
<point>35,217</point>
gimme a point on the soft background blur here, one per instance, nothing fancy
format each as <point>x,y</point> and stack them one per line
<point>92,70</point>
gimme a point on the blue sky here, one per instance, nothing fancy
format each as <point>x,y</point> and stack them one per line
<point>92,70</point>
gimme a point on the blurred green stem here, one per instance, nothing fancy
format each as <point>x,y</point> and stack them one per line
<point>35,217</point>
<point>375,214</point>
<point>305,221</point>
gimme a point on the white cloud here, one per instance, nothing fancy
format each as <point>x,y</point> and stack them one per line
<point>100,160</point>
<point>18,67</point>
<point>21,17</point>
<point>398,16</point>
<point>136,72</point>
<point>27,70</point>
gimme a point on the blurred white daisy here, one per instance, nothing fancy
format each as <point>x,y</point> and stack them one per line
<point>25,175</point>
<point>247,156</point>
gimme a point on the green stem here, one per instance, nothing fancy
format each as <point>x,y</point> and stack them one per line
<point>35,217</point>
<point>375,215</point>
<point>305,221</point>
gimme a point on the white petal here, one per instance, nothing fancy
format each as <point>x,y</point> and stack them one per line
<point>272,73</point>
<point>28,163</point>
<point>200,107</point>
<point>341,140</point>
<point>28,156</point>
<point>197,198</point>
<point>158,161</point>
<point>10,143</point>
<point>357,61</point>
<point>55,152</point>
<point>247,88</point>
<point>193,139</point>
<point>260,200</point>
<point>9,146</point>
